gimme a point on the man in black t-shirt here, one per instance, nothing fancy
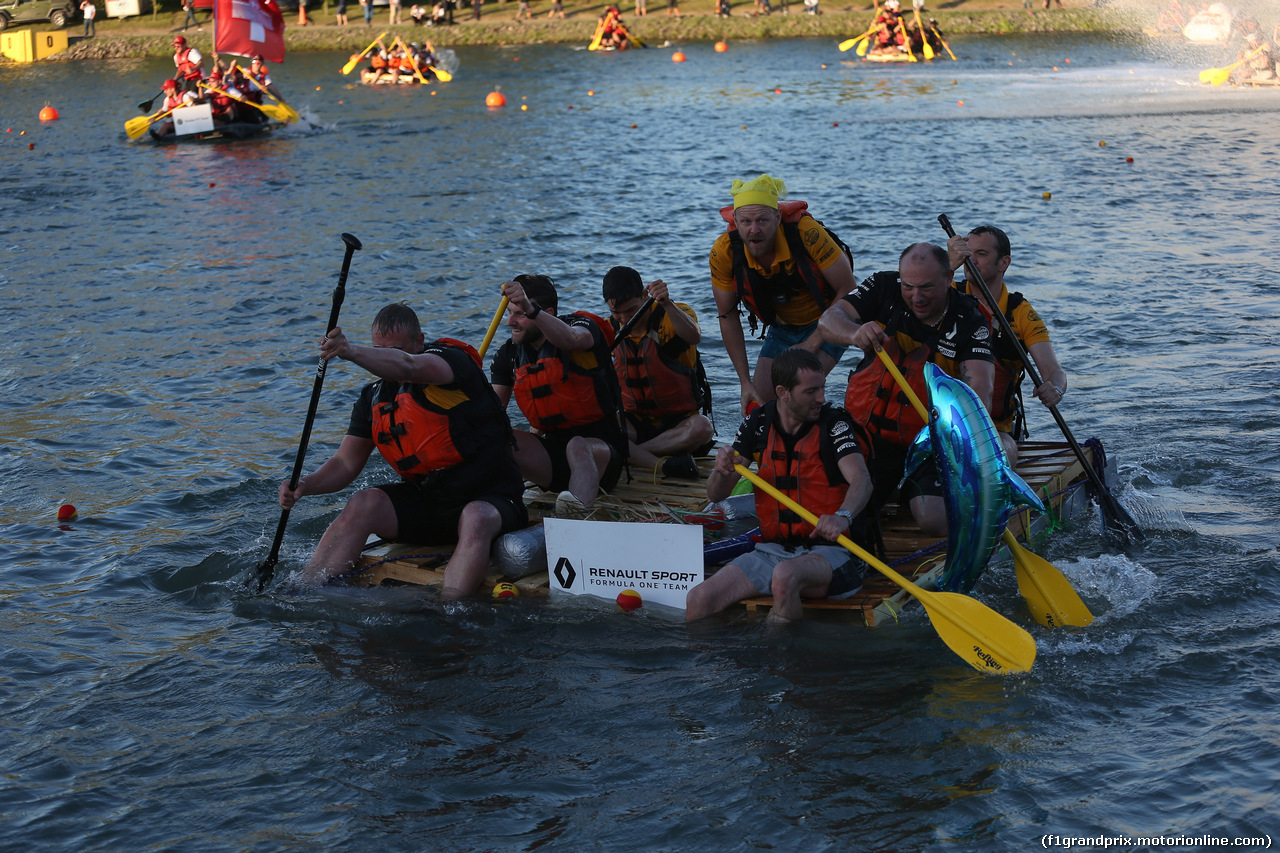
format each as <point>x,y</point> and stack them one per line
<point>432,416</point>
<point>917,317</point>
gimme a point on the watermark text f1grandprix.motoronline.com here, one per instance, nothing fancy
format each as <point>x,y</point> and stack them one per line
<point>1105,842</point>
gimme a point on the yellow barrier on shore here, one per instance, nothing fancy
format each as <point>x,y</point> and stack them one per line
<point>28,46</point>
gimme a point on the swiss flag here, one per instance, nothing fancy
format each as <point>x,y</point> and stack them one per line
<point>246,27</point>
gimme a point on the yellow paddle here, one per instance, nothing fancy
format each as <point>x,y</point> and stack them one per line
<point>138,125</point>
<point>1049,595</point>
<point>626,32</point>
<point>355,60</point>
<point>944,41</point>
<point>924,39</point>
<point>866,43</point>
<point>1218,76</point>
<point>493,327</point>
<point>981,637</point>
<point>595,39</point>
<point>294,115</point>
<point>848,44</point>
<point>906,41</point>
<point>272,111</point>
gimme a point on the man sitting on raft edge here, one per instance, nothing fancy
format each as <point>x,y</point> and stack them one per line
<point>433,416</point>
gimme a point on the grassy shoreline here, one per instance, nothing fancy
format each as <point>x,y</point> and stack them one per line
<point>151,36</point>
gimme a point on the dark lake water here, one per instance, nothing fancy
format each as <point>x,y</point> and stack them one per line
<point>156,355</point>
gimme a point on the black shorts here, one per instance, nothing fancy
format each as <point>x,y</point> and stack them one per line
<point>888,468</point>
<point>647,429</point>
<point>422,518</point>
<point>556,444</point>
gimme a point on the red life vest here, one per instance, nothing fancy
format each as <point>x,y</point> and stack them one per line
<point>761,294</point>
<point>1006,395</point>
<point>876,402</point>
<point>653,380</point>
<point>426,428</point>
<point>562,389</point>
<point>806,472</point>
<point>186,68</point>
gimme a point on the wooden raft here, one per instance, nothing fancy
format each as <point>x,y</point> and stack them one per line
<point>1048,467</point>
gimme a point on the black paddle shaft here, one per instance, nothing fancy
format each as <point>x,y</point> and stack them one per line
<point>630,324</point>
<point>1106,501</point>
<point>268,567</point>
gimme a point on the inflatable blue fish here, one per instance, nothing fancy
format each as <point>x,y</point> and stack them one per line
<point>978,486</point>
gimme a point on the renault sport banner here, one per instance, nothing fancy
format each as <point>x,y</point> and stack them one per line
<point>662,562</point>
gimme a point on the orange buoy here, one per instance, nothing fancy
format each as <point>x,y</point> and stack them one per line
<point>721,46</point>
<point>677,57</point>
<point>495,99</point>
<point>67,512</point>
<point>48,114</point>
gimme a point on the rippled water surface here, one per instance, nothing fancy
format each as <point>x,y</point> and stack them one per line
<point>157,351</point>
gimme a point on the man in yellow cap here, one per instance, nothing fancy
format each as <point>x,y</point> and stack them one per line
<point>786,268</point>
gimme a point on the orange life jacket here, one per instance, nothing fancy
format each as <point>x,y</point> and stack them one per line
<point>562,389</point>
<point>805,471</point>
<point>761,294</point>
<point>422,429</point>
<point>876,402</point>
<point>653,380</point>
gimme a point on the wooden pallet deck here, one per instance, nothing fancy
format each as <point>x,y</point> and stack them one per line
<point>1048,467</point>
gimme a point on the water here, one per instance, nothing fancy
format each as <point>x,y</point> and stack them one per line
<point>161,309</point>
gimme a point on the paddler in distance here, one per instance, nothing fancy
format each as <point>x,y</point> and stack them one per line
<point>988,247</point>
<point>660,375</point>
<point>435,419</point>
<point>916,316</point>
<point>815,454</point>
<point>786,268</point>
<point>561,374</point>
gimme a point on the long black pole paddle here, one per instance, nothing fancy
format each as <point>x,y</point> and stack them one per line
<point>630,324</point>
<point>267,568</point>
<point>145,106</point>
<point>1114,516</point>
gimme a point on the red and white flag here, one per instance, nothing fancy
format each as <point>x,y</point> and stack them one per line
<point>246,27</point>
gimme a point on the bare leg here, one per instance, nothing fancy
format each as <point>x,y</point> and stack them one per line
<point>763,379</point>
<point>478,525</point>
<point>930,514</point>
<point>723,589</point>
<point>807,576</point>
<point>368,511</point>
<point>690,434</point>
<point>588,458</point>
<point>1010,448</point>
<point>531,456</point>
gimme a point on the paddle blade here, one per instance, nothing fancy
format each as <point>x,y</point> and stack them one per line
<point>847,45</point>
<point>928,50</point>
<point>1049,595</point>
<point>442,75</point>
<point>862,48</point>
<point>1219,76</point>
<point>1207,74</point>
<point>274,111</point>
<point>981,637</point>
<point>138,125</point>
<point>1116,520</point>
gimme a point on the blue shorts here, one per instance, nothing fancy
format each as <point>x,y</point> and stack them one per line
<point>779,338</point>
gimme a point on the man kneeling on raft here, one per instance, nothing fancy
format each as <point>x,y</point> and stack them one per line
<point>815,454</point>
<point>433,416</point>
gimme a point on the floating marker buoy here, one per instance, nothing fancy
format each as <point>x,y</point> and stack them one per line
<point>1068,61</point>
<point>1055,68</point>
<point>835,124</point>
<point>959,103</point>
<point>777,91</point>
<point>1128,159</point>
<point>67,512</point>
<point>571,106</point>
<point>1047,194</point>
<point>677,57</point>
<point>721,47</point>
<point>1102,143</point>
<point>524,106</point>
<point>211,186</point>
<point>629,600</point>
<point>633,127</point>
<point>505,590</point>
<point>31,146</point>
<point>495,99</point>
<point>48,114</point>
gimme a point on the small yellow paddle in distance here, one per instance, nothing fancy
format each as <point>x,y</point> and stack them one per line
<point>355,60</point>
<point>1218,76</point>
<point>1048,594</point>
<point>981,637</point>
<point>848,44</point>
